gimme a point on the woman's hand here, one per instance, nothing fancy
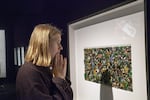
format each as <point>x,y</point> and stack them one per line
<point>60,66</point>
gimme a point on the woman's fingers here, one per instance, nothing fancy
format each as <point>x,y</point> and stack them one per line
<point>60,66</point>
<point>65,62</point>
<point>56,59</point>
<point>61,59</point>
<point>65,66</point>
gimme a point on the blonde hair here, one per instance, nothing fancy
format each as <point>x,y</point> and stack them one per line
<point>38,50</point>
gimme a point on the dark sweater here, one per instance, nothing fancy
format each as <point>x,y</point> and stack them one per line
<point>37,83</point>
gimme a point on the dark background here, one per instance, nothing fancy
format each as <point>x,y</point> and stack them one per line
<point>18,18</point>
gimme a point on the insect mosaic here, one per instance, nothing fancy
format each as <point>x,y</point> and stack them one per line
<point>110,66</point>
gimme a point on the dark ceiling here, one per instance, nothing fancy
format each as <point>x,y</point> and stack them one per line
<point>56,8</point>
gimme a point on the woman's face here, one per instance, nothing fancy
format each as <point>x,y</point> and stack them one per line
<point>55,45</point>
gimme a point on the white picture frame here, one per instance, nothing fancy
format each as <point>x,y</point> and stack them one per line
<point>123,25</point>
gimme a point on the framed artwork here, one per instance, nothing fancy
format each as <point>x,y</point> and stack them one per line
<point>109,66</point>
<point>107,54</point>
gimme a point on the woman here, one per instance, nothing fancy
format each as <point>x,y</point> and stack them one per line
<point>43,75</point>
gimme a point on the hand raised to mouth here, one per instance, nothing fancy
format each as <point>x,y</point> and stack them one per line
<point>60,66</point>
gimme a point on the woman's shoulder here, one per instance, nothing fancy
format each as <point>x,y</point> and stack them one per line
<point>28,68</point>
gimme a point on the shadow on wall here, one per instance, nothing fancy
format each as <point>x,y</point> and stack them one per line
<point>106,93</point>
<point>105,88</point>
